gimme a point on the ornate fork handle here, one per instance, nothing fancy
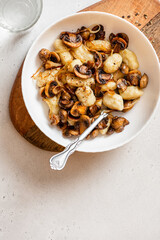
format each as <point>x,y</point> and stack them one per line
<point>58,161</point>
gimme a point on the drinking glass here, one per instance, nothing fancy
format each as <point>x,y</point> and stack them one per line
<point>19,15</point>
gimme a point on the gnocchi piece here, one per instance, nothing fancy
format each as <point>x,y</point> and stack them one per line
<point>73,64</point>
<point>53,105</point>
<point>86,96</point>
<point>99,45</point>
<point>112,63</point>
<point>82,54</point>
<point>64,53</point>
<point>118,74</point>
<point>105,130</point>
<point>78,82</point>
<point>132,92</point>
<point>99,102</point>
<point>130,59</point>
<point>113,100</point>
<point>110,85</point>
<point>44,77</point>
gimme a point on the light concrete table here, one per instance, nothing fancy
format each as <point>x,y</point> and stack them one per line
<point>109,196</point>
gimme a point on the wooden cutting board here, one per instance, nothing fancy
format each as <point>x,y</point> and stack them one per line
<point>144,14</point>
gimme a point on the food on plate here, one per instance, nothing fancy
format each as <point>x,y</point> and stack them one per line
<point>86,73</point>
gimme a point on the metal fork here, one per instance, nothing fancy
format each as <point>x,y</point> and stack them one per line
<point>58,161</point>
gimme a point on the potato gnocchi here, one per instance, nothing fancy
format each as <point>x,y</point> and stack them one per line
<point>86,73</point>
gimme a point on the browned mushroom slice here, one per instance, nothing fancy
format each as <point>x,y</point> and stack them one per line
<point>102,77</point>
<point>82,71</point>
<point>93,110</point>
<point>129,104</point>
<point>44,54</point>
<point>72,119</point>
<point>62,126</point>
<point>103,123</point>
<point>123,36</point>
<point>78,109</point>
<point>118,123</point>
<point>52,89</point>
<point>71,39</point>
<point>95,133</point>
<point>84,123</point>
<point>122,84</point>
<point>63,115</point>
<point>65,103</point>
<point>97,58</point>
<point>54,57</point>
<point>134,77</point>
<point>144,81</point>
<point>70,90</point>
<point>69,132</point>
<point>110,131</point>
<point>124,68</point>
<point>100,34</point>
<point>55,119</point>
<point>49,65</point>
<point>84,32</point>
<point>65,95</point>
<point>42,92</point>
<point>119,41</point>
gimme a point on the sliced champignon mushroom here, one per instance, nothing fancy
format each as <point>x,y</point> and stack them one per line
<point>118,123</point>
<point>49,65</point>
<point>124,68</point>
<point>70,90</point>
<point>143,81</point>
<point>72,119</point>
<point>97,58</point>
<point>65,103</point>
<point>103,123</point>
<point>85,122</point>
<point>44,55</point>
<point>93,110</point>
<point>122,84</point>
<point>62,126</point>
<point>52,89</point>
<point>54,57</point>
<point>63,115</point>
<point>69,132</point>
<point>65,95</point>
<point>134,77</point>
<point>84,32</point>
<point>100,34</point>
<point>102,77</point>
<point>55,119</point>
<point>78,109</point>
<point>82,71</point>
<point>118,41</point>
<point>94,133</point>
<point>110,131</point>
<point>72,40</point>
<point>129,104</point>
<point>42,92</point>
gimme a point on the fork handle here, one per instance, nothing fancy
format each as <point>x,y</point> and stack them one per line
<point>58,161</point>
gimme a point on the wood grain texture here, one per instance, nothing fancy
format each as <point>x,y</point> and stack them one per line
<point>150,26</point>
<point>129,9</point>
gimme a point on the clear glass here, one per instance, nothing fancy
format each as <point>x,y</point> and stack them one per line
<point>19,15</point>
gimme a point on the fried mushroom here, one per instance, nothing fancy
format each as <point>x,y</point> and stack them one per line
<point>143,81</point>
<point>51,89</point>
<point>78,109</point>
<point>72,40</point>
<point>134,77</point>
<point>82,71</point>
<point>118,123</point>
<point>85,122</point>
<point>122,84</point>
<point>102,77</point>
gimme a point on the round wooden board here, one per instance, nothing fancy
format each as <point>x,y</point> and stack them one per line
<point>149,25</point>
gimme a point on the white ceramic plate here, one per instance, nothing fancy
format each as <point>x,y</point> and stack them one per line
<point>138,116</point>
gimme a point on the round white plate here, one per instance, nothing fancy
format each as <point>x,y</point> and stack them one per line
<point>138,116</point>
